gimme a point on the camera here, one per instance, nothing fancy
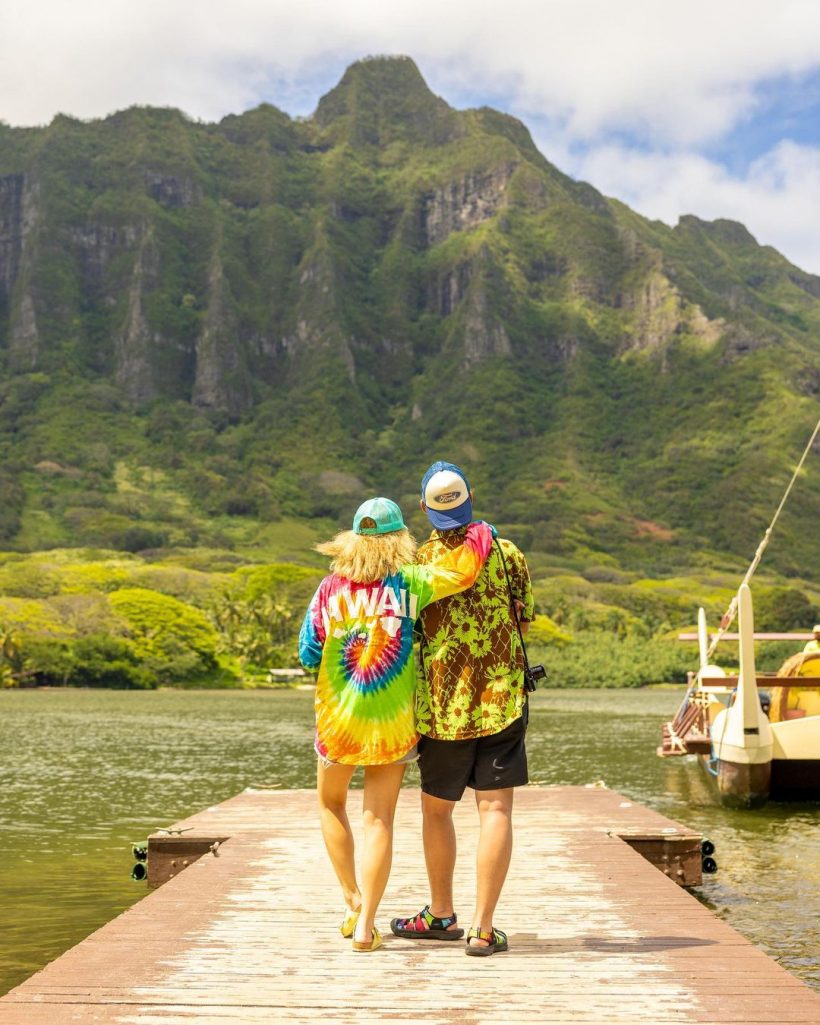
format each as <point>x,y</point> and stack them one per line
<point>532,674</point>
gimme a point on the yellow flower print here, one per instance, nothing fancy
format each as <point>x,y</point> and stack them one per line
<point>458,716</point>
<point>458,614</point>
<point>480,646</point>
<point>465,631</point>
<point>498,678</point>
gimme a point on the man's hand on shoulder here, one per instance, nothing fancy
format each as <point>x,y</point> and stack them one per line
<point>480,535</point>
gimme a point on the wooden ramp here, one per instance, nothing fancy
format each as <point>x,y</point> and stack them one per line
<point>597,934</point>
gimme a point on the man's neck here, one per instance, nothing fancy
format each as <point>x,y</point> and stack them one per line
<point>438,532</point>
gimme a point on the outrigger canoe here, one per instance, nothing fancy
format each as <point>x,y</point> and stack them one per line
<point>755,750</point>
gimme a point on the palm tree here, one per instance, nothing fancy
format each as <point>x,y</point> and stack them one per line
<point>12,661</point>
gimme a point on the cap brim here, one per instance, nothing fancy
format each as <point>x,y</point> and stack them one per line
<point>453,518</point>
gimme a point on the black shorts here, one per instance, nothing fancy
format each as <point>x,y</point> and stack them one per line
<point>495,762</point>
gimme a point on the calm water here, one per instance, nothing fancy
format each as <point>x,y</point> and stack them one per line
<point>85,773</point>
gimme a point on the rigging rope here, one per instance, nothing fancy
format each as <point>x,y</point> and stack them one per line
<point>731,612</point>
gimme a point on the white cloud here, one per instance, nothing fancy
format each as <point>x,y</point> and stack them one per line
<point>778,199</point>
<point>676,71</point>
<point>677,75</point>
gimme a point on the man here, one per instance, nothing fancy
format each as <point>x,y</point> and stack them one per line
<point>471,713</point>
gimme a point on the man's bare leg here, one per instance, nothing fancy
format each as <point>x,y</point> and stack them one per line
<point>439,836</point>
<point>494,853</point>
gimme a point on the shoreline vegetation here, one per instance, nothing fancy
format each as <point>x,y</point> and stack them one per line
<point>209,618</point>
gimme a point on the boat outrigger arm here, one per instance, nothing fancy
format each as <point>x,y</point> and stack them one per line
<point>741,735</point>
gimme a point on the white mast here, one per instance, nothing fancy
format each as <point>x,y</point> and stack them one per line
<point>703,639</point>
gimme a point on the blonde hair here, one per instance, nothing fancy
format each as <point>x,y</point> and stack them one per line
<point>365,557</point>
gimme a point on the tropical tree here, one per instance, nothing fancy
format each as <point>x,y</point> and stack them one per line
<point>258,631</point>
<point>12,660</point>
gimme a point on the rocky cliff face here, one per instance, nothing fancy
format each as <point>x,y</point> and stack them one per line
<point>221,379</point>
<point>135,339</point>
<point>386,278</point>
<point>11,229</point>
<point>484,334</point>
<point>464,204</point>
<point>318,340</point>
<point>386,224</point>
<point>19,207</point>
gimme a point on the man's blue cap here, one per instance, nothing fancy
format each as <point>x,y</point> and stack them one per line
<point>380,516</point>
<point>445,492</point>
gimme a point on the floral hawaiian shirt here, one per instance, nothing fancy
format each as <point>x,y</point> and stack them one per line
<point>472,679</point>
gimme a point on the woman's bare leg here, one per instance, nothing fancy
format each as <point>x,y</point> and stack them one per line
<point>381,791</point>
<point>331,789</point>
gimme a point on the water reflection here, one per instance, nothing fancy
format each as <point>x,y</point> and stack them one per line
<point>84,774</point>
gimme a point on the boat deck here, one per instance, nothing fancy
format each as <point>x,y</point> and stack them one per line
<point>597,933</point>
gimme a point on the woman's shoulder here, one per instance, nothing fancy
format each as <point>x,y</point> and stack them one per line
<point>331,583</point>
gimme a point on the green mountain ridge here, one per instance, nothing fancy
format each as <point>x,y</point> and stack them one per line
<point>207,328</point>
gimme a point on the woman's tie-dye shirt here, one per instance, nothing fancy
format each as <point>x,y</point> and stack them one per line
<point>360,636</point>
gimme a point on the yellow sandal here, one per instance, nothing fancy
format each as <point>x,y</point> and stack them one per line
<point>364,946</point>
<point>349,922</point>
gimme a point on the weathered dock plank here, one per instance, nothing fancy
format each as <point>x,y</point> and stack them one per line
<point>597,934</point>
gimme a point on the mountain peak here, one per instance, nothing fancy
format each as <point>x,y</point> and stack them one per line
<point>390,72</point>
<point>723,230</point>
<point>382,99</point>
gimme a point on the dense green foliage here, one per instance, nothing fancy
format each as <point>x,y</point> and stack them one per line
<point>104,619</point>
<point>219,338</point>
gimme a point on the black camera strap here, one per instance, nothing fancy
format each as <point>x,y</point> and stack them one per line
<point>512,606</point>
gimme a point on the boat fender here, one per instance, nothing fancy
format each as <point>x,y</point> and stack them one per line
<point>140,854</point>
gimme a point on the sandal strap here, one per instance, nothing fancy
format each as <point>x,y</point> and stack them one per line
<point>487,935</point>
<point>425,920</point>
<point>439,923</point>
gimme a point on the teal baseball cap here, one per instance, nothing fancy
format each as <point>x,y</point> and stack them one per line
<point>384,513</point>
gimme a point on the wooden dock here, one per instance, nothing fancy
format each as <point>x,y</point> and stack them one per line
<point>597,933</point>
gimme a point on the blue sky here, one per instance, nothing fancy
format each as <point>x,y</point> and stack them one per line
<point>709,107</point>
<point>788,108</point>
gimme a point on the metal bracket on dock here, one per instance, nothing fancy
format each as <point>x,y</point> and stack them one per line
<point>677,854</point>
<point>170,852</point>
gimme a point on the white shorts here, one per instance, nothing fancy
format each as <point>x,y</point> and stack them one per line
<point>411,756</point>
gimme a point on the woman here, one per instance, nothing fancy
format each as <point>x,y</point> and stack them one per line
<point>358,631</point>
